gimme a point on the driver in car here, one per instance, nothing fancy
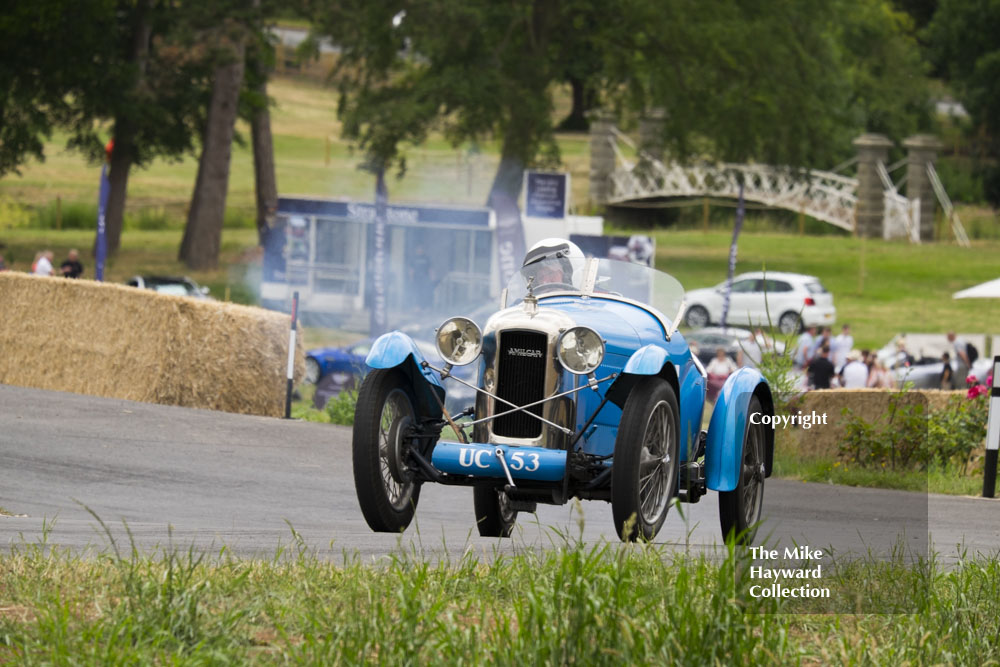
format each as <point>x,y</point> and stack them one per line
<point>556,260</point>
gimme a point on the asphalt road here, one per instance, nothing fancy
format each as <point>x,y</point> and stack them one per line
<point>183,477</point>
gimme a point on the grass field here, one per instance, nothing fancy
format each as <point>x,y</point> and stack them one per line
<point>903,288</point>
<point>880,288</point>
<point>572,604</point>
<point>310,158</point>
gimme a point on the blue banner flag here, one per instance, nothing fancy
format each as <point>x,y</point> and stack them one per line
<point>732,256</point>
<point>378,318</point>
<point>101,246</point>
<point>510,237</point>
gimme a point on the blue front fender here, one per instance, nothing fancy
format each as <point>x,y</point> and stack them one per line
<point>397,350</point>
<point>724,447</point>
<point>686,380</point>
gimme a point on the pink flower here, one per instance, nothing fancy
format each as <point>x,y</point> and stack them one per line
<point>971,380</point>
<point>976,391</point>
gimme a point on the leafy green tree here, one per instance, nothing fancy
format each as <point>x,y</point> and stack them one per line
<point>35,38</point>
<point>886,71</point>
<point>964,47</point>
<point>775,81</point>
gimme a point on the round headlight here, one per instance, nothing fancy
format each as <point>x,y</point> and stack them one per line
<point>580,350</point>
<point>459,341</point>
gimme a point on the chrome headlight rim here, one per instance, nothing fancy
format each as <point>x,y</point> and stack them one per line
<point>468,354</point>
<point>559,350</point>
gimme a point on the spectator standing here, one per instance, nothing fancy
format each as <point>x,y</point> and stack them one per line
<point>947,380</point>
<point>854,374</point>
<point>71,267</point>
<point>825,339</point>
<point>752,350</point>
<point>880,377</point>
<point>903,356</point>
<point>961,349</point>
<point>842,345</point>
<point>821,369</point>
<point>719,368</point>
<point>43,267</point>
<point>803,349</point>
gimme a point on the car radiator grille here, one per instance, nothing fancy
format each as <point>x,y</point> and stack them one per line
<point>520,380</point>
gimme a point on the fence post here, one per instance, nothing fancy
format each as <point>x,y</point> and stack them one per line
<point>992,434</point>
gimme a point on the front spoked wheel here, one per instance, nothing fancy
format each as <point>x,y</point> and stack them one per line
<point>386,490</point>
<point>644,473</point>
<point>740,509</point>
<point>494,515</point>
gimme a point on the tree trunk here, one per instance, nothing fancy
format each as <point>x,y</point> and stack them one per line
<point>577,121</point>
<point>203,232</point>
<point>121,163</point>
<point>265,181</point>
<point>509,177</point>
<point>124,150</point>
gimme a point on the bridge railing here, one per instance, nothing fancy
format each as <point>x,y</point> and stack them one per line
<point>823,195</point>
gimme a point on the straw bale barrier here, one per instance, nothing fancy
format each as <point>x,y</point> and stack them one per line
<point>823,441</point>
<point>121,342</point>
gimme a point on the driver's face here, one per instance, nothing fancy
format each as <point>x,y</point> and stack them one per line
<point>548,274</point>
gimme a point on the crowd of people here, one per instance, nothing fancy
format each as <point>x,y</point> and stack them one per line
<point>43,265</point>
<point>822,361</point>
<point>829,361</point>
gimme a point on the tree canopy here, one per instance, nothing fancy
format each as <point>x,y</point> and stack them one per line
<point>776,81</point>
<point>965,49</point>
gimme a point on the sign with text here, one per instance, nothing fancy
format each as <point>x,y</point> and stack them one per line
<point>546,194</point>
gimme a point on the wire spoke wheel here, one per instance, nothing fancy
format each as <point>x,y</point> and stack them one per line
<point>396,412</point>
<point>645,469</point>
<point>384,415</point>
<point>655,463</point>
<point>740,509</point>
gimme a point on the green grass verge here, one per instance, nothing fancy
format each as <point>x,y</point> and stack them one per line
<point>949,480</point>
<point>571,604</point>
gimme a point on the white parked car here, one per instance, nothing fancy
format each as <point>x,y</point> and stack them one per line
<point>792,299</point>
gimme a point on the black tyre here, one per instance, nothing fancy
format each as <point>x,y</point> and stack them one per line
<point>789,323</point>
<point>740,509</point>
<point>697,317</point>
<point>644,476</point>
<point>494,517</point>
<point>387,493</point>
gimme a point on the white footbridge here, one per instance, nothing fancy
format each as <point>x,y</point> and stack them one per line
<point>824,195</point>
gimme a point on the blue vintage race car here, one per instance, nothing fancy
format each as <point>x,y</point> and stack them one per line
<point>585,389</point>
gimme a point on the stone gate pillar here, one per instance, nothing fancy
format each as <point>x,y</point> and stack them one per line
<point>651,133</point>
<point>602,156</point>
<point>872,149</point>
<point>922,150</point>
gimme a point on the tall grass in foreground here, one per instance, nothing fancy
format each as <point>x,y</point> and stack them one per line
<point>577,603</point>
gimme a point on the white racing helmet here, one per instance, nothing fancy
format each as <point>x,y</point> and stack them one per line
<point>568,254</point>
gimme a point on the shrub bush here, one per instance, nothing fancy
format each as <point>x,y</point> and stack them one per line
<point>908,436</point>
<point>341,407</point>
<point>65,215</point>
